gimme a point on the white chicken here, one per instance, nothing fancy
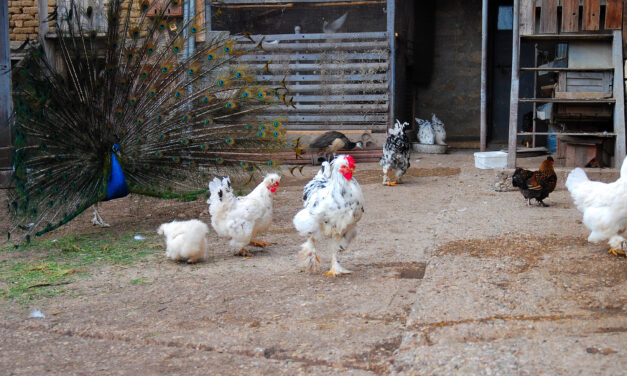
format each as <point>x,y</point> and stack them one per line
<point>333,204</point>
<point>185,240</point>
<point>242,218</point>
<point>604,207</point>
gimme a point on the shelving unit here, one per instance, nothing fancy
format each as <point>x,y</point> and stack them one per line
<point>546,30</point>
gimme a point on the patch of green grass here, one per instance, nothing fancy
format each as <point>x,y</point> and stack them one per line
<point>139,281</point>
<point>53,264</point>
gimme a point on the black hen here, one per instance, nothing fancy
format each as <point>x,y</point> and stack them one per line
<point>536,184</point>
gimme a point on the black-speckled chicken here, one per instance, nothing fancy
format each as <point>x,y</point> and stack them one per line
<point>396,151</point>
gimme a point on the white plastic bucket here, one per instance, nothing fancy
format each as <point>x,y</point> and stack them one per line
<point>490,159</point>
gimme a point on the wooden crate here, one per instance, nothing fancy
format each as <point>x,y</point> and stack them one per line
<point>584,85</point>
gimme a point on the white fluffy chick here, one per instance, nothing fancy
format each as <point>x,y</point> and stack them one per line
<point>242,218</point>
<point>425,132</point>
<point>604,207</point>
<point>439,134</point>
<point>185,240</point>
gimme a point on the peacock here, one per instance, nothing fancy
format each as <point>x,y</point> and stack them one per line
<point>134,109</point>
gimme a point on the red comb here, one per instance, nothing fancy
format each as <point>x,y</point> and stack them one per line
<point>351,161</point>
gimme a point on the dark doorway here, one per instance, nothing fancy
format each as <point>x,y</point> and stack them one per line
<point>500,75</point>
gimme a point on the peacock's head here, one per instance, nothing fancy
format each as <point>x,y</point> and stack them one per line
<point>345,165</point>
<point>271,181</point>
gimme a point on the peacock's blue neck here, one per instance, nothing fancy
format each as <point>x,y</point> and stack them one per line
<point>116,181</point>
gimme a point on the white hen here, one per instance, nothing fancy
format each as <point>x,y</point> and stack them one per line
<point>604,207</point>
<point>242,218</point>
<point>185,240</point>
<point>333,204</point>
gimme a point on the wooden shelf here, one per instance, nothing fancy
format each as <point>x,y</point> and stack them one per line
<point>563,69</point>
<point>558,134</point>
<point>567,37</point>
<point>564,100</point>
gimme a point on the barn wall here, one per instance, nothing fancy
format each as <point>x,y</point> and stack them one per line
<point>452,92</point>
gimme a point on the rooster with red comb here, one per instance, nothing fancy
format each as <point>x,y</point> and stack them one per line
<point>333,204</point>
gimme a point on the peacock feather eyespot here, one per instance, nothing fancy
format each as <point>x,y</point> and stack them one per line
<point>205,99</point>
<point>276,123</point>
<point>162,25</point>
<point>191,164</point>
<point>133,100</point>
<point>208,121</point>
<point>161,136</point>
<point>134,32</point>
<point>249,127</point>
<point>176,159</point>
<point>229,105</point>
<point>261,134</point>
<point>220,82</point>
<point>262,127</point>
<point>133,153</point>
<point>119,112</point>
<point>146,166</point>
<point>175,3</point>
<point>160,117</point>
<point>193,29</point>
<point>150,48</point>
<point>271,163</point>
<point>158,154</point>
<point>122,83</point>
<point>204,147</point>
<point>276,134</point>
<point>186,117</point>
<point>168,189</point>
<point>166,169</point>
<point>184,141</point>
<point>239,74</point>
<point>165,69</point>
<point>243,164</point>
<point>230,141</point>
<point>178,93</point>
<point>210,56</point>
<point>140,140</point>
<point>143,74</point>
<point>251,168</point>
<point>219,160</point>
<point>176,48</point>
<point>191,71</point>
<point>140,121</point>
<point>145,4</point>
<point>245,94</point>
<point>240,193</point>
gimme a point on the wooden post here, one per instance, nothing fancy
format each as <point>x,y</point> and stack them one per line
<point>619,96</point>
<point>484,76</point>
<point>513,99</point>
<point>5,97</point>
<point>391,10</point>
<point>42,9</point>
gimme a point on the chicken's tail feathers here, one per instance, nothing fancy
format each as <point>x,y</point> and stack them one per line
<point>575,178</point>
<point>623,169</point>
<point>304,222</point>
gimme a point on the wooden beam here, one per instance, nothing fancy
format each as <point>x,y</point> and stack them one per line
<point>619,95</point>
<point>5,97</point>
<point>570,16</point>
<point>483,132</point>
<point>391,17</point>
<point>527,17</point>
<point>614,14</point>
<point>513,96</point>
<point>591,15</point>
<point>548,17</point>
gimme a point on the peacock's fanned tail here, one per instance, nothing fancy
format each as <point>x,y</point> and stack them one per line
<point>133,100</point>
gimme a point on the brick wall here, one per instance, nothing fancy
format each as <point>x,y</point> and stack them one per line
<point>23,19</point>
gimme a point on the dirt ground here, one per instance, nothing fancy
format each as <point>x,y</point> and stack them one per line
<point>449,277</point>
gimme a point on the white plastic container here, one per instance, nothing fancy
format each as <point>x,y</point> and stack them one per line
<point>490,159</point>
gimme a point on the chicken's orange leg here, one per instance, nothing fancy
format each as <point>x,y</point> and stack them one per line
<point>259,243</point>
<point>390,183</point>
<point>616,252</point>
